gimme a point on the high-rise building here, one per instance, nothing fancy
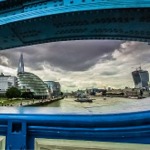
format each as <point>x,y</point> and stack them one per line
<point>141,78</point>
<point>29,82</point>
<point>21,64</point>
<point>6,82</point>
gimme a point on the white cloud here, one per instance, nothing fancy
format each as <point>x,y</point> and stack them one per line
<point>113,68</point>
<point>7,70</point>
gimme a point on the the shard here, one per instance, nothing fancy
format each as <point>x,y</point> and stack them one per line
<point>21,65</point>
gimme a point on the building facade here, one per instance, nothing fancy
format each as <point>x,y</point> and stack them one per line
<point>140,78</point>
<point>6,82</point>
<point>54,88</point>
<point>31,83</point>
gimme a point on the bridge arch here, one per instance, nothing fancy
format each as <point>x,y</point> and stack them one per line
<point>34,22</point>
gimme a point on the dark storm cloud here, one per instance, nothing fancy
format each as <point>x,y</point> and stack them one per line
<point>70,56</point>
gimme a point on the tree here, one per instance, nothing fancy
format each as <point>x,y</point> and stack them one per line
<point>13,92</point>
<point>27,95</point>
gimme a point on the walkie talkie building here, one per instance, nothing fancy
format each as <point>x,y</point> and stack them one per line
<point>141,78</point>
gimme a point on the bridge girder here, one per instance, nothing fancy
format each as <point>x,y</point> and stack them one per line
<point>38,21</point>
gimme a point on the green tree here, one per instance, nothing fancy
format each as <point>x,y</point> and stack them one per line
<point>27,95</point>
<point>13,92</point>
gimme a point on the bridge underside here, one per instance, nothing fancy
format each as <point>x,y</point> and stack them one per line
<point>118,24</point>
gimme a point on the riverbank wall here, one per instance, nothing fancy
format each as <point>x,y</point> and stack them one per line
<point>43,102</point>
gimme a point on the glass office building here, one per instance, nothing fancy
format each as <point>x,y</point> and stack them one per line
<point>29,82</point>
<point>141,78</point>
<point>54,88</point>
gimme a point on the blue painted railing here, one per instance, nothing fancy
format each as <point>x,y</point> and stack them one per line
<point>22,128</point>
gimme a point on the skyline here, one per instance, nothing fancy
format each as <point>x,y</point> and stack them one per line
<point>80,64</point>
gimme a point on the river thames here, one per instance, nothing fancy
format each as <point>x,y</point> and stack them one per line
<point>102,105</point>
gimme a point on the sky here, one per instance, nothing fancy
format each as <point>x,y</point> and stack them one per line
<point>81,64</point>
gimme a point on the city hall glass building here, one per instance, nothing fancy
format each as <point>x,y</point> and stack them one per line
<point>29,82</point>
<point>141,78</point>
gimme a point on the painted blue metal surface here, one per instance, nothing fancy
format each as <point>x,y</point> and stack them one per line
<point>24,22</point>
<point>31,22</point>
<point>124,128</point>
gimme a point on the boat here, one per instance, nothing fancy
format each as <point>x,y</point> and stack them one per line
<point>86,99</point>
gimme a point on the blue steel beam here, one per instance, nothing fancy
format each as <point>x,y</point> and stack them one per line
<point>22,129</point>
<point>31,22</point>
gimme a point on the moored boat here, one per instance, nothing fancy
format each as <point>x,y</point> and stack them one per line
<point>84,100</point>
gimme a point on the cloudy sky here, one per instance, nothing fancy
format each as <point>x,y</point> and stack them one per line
<point>81,64</point>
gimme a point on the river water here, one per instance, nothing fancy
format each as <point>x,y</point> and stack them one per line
<point>102,105</point>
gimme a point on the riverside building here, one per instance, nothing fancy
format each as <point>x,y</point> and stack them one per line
<point>29,82</point>
<point>140,78</point>
<point>54,88</point>
<point>6,82</point>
